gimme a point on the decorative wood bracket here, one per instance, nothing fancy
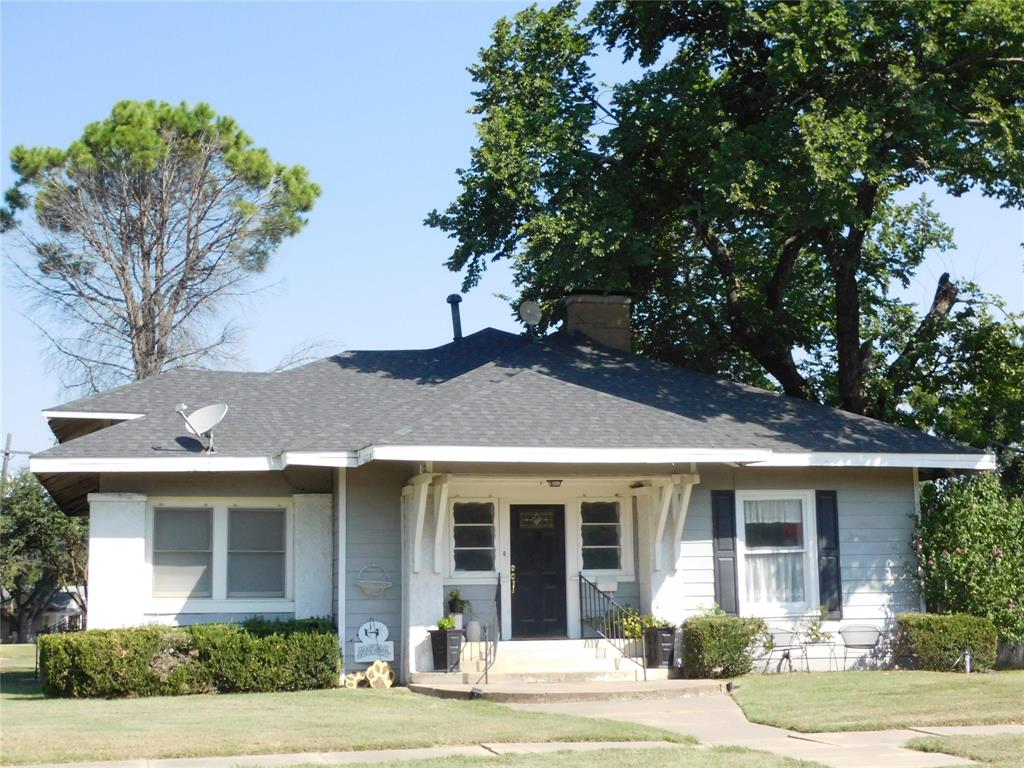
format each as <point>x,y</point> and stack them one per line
<point>682,507</point>
<point>420,486</point>
<point>667,500</point>
<point>440,513</point>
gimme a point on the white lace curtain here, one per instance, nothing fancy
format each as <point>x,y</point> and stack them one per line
<point>774,577</point>
<point>772,511</point>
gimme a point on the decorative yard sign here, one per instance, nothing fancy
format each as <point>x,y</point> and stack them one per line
<point>372,643</point>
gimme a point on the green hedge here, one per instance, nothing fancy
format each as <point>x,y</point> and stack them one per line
<point>720,646</point>
<point>202,658</point>
<point>263,627</point>
<point>936,641</point>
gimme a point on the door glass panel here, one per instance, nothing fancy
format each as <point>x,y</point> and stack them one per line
<point>537,518</point>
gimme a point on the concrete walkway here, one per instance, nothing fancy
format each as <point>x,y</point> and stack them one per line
<point>717,720</point>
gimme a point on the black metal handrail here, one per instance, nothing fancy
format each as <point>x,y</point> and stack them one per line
<point>76,622</point>
<point>492,633</point>
<point>600,612</point>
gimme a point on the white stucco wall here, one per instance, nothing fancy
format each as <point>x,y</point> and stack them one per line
<point>314,570</point>
<point>118,583</point>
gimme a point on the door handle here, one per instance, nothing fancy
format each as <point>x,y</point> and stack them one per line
<point>512,581</point>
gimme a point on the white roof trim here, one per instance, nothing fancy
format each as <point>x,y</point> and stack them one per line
<point>516,454</point>
<point>512,455</point>
<point>112,415</point>
<point>920,460</point>
<point>201,463</point>
<point>320,459</point>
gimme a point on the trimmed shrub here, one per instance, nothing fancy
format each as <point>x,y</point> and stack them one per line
<point>203,658</point>
<point>720,646</point>
<point>937,641</point>
<point>261,627</point>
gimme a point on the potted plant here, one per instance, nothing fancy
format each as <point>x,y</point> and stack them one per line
<point>446,645</point>
<point>659,641</point>
<point>456,607</point>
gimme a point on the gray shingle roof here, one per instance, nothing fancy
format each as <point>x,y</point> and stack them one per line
<point>489,389</point>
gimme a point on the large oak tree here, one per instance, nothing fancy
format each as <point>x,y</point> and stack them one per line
<point>747,179</point>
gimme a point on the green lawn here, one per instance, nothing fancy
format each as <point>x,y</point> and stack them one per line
<point>682,757</point>
<point>190,726</point>
<point>1002,751</point>
<point>863,701</point>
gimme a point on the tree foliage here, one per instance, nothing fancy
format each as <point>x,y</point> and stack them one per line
<point>747,180</point>
<point>139,229</point>
<point>42,551</point>
<point>970,549</point>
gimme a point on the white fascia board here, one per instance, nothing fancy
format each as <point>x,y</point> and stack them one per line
<point>111,415</point>
<point>43,465</point>
<point>516,454</point>
<point>967,461</point>
<point>320,459</point>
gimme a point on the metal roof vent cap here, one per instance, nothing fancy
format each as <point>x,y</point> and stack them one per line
<point>454,299</point>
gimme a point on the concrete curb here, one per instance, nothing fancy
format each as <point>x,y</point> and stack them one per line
<point>367,757</point>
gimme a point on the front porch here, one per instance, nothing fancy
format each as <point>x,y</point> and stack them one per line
<point>523,551</point>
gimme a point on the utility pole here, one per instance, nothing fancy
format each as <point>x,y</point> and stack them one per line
<point>7,463</point>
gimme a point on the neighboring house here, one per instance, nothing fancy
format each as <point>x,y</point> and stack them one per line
<point>496,455</point>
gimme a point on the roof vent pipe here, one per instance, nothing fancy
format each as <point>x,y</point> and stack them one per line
<point>455,300</point>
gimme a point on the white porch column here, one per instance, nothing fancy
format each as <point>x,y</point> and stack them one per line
<point>422,584</point>
<point>661,515</point>
<point>340,519</point>
<point>312,555</point>
<point>119,576</point>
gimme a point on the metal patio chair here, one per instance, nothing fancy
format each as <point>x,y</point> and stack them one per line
<point>783,642</point>
<point>861,637</point>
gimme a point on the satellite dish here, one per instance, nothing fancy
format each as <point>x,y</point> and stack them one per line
<point>529,313</point>
<point>202,420</point>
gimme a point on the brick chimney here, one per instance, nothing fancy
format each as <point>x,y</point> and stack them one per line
<point>604,318</point>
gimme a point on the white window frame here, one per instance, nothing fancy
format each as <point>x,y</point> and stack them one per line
<point>219,602</point>
<point>473,577</point>
<point>810,552</point>
<point>625,571</point>
<point>284,552</point>
<point>153,551</point>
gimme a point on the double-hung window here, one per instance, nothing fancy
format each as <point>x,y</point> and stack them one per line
<point>256,553</point>
<point>182,552</point>
<point>776,530</point>
<point>601,528</point>
<point>473,537</point>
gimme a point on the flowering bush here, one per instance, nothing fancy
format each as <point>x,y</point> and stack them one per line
<point>970,550</point>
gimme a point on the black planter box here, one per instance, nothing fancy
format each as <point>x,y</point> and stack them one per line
<point>658,646</point>
<point>446,646</point>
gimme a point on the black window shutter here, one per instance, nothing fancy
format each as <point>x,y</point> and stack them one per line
<point>723,535</point>
<point>829,575</point>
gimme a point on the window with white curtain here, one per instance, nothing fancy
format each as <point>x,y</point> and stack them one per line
<point>256,553</point>
<point>776,533</point>
<point>182,552</point>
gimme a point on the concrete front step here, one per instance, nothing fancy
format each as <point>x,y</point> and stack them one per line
<point>557,692</point>
<point>537,677</point>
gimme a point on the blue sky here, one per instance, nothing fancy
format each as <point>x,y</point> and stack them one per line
<point>372,98</point>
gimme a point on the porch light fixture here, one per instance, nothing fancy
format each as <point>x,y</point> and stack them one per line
<point>554,483</point>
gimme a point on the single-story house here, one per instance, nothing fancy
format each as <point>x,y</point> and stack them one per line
<point>521,471</point>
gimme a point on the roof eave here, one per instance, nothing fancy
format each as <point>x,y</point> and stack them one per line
<point>516,455</point>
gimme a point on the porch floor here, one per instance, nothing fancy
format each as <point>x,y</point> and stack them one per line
<point>564,692</point>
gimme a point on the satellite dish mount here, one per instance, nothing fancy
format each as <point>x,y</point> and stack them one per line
<point>203,420</point>
<point>530,314</point>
